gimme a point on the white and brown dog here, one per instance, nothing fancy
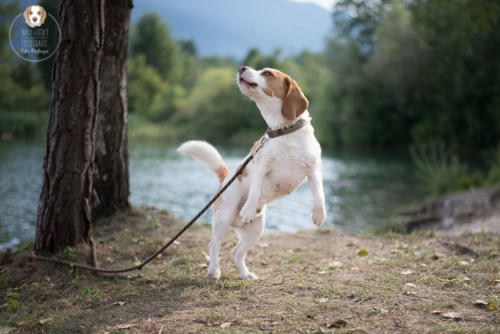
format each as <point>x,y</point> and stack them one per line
<point>35,16</point>
<point>290,155</point>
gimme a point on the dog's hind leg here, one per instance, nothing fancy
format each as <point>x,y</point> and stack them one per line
<point>249,235</point>
<point>220,225</point>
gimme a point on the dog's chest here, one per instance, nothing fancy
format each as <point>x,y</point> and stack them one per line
<point>288,166</point>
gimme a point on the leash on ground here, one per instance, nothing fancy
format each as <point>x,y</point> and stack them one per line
<point>98,270</point>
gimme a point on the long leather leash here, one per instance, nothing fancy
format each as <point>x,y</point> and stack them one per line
<point>269,134</point>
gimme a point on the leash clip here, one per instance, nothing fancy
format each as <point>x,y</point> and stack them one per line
<point>263,141</point>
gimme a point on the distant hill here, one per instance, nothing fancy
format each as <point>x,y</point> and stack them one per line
<point>232,27</point>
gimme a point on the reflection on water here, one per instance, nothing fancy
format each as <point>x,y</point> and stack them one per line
<point>361,189</point>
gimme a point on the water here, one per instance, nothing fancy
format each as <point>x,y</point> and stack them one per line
<point>361,189</point>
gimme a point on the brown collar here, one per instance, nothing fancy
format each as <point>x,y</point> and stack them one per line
<point>287,129</point>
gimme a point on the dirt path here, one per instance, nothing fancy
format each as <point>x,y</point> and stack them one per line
<point>311,282</point>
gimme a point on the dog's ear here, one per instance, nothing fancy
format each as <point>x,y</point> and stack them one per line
<point>294,103</point>
<point>44,15</point>
<point>26,18</point>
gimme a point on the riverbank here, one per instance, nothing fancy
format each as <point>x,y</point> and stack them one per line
<point>473,211</point>
<point>312,281</point>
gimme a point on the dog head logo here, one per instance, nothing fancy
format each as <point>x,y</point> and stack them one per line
<point>35,16</point>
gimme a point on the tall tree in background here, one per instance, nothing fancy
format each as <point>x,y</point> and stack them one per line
<point>111,177</point>
<point>151,37</point>
<point>64,212</point>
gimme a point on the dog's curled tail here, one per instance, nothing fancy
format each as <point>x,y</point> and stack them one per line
<point>207,154</point>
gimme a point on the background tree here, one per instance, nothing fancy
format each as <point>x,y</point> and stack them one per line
<point>151,37</point>
<point>111,175</point>
<point>65,213</point>
<point>459,86</point>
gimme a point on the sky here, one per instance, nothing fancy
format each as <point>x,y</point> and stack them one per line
<point>326,4</point>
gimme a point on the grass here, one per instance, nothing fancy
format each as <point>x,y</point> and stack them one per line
<point>406,283</point>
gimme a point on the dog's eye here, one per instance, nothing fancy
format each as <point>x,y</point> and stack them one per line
<point>267,73</point>
<point>38,13</point>
<point>31,13</point>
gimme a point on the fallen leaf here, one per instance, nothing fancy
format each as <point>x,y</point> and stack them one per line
<point>335,265</point>
<point>44,321</point>
<point>124,326</point>
<point>337,324</point>
<point>492,306</point>
<point>436,312</point>
<point>202,265</point>
<point>363,252</point>
<point>452,315</point>
<point>463,263</point>
<point>480,303</point>
<point>407,272</point>
<point>225,325</point>
<point>410,289</point>
<point>119,303</point>
<point>322,272</point>
<point>322,300</point>
<point>381,310</point>
<point>278,283</point>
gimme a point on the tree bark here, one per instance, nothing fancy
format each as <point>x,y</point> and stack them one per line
<point>64,212</point>
<point>111,176</point>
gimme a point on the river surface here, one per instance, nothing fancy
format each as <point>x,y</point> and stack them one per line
<point>361,189</point>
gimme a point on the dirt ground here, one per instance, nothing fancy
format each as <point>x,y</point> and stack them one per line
<point>313,281</point>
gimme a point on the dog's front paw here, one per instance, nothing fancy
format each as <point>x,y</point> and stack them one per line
<point>318,215</point>
<point>214,272</point>
<point>247,214</point>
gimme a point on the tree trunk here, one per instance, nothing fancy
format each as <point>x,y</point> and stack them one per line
<point>111,177</point>
<point>64,212</point>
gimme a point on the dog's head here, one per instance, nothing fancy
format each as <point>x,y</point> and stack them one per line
<point>270,87</point>
<point>35,16</point>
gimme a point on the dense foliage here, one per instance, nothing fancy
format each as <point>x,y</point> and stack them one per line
<point>418,73</point>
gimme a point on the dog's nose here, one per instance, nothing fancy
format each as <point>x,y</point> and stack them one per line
<point>242,69</point>
<point>34,19</point>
